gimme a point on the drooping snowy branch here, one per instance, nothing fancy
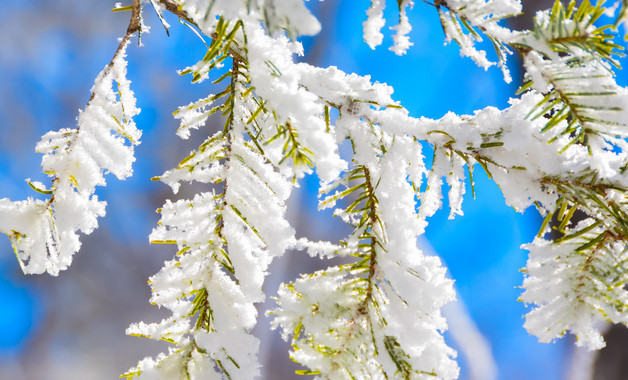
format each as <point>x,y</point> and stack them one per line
<point>226,241</point>
<point>378,317</point>
<point>226,237</point>
<point>369,304</point>
<point>45,234</point>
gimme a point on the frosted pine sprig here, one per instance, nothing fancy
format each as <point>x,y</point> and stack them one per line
<point>378,317</point>
<point>226,238</point>
<point>45,234</point>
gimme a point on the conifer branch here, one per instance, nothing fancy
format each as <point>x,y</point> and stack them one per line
<point>224,247</point>
<point>41,241</point>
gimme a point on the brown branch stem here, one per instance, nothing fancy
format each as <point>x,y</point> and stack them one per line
<point>134,26</point>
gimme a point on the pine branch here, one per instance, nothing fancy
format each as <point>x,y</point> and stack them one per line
<point>226,240</point>
<point>76,159</point>
<point>360,303</point>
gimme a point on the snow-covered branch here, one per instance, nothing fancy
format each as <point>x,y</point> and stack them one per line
<point>45,233</point>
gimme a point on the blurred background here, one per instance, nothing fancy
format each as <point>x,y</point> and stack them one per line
<point>72,326</point>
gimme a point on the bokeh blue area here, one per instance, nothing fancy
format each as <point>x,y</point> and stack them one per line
<point>481,248</point>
